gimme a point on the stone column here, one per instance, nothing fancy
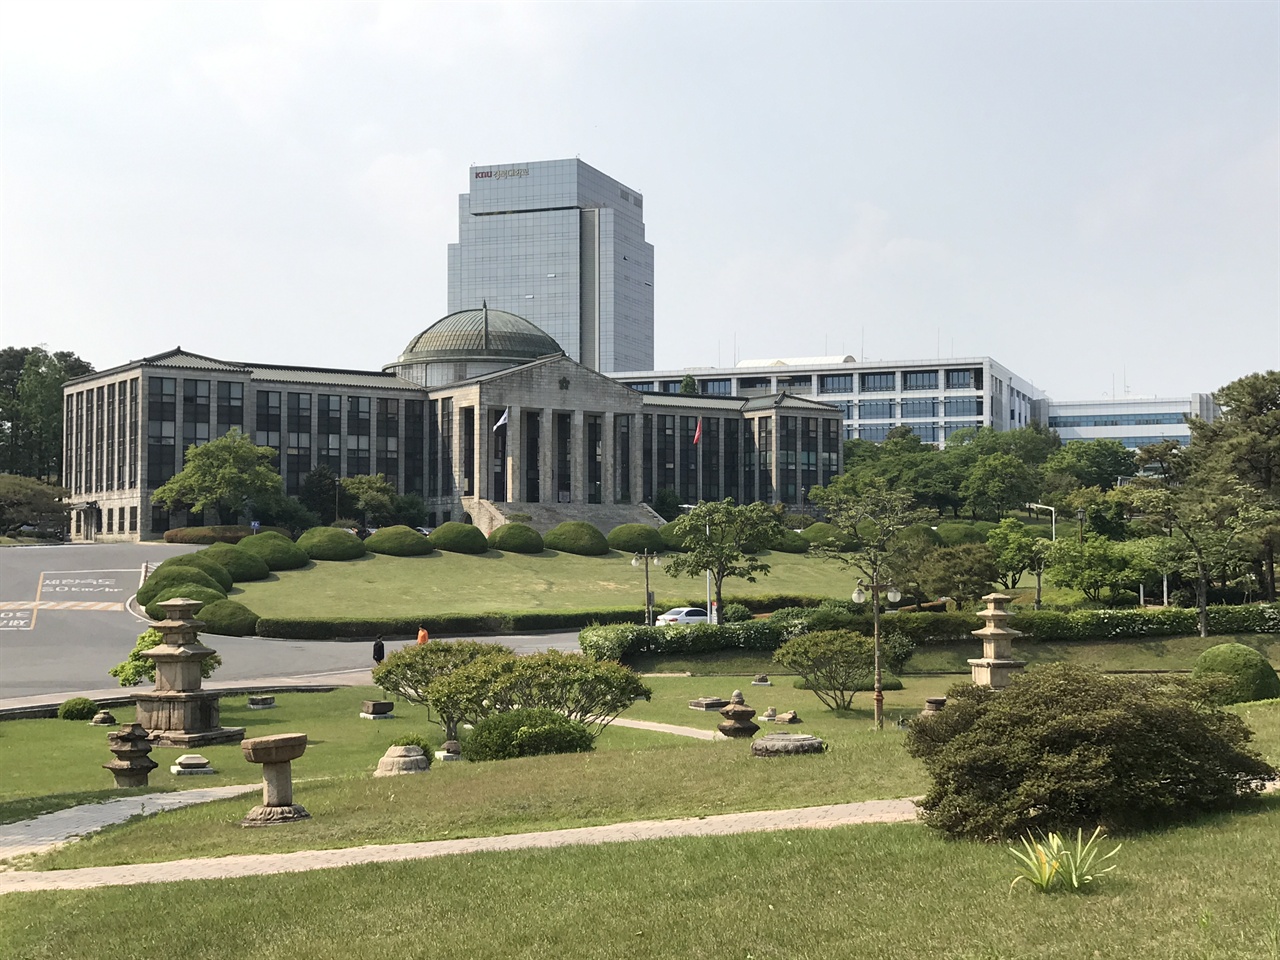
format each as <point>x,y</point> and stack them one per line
<point>608,482</point>
<point>515,454</point>
<point>484,452</point>
<point>546,454</point>
<point>637,456</point>
<point>276,754</point>
<point>578,459</point>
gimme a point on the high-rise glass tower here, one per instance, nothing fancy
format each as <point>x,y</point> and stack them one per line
<point>562,245</point>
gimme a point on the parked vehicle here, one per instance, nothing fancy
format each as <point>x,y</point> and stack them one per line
<point>682,615</point>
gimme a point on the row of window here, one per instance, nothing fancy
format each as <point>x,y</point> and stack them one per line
<point>1117,419</point>
<point>100,438</point>
<point>967,378</point>
<point>928,432</point>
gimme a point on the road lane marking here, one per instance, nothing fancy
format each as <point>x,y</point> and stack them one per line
<point>60,605</point>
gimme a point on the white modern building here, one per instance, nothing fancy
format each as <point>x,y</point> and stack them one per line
<point>562,245</point>
<point>1134,421</point>
<point>935,398</point>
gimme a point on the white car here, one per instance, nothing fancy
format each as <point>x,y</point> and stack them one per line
<point>682,615</point>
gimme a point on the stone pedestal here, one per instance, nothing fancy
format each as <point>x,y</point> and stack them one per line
<point>192,765</point>
<point>132,766</point>
<point>377,710</point>
<point>737,718</point>
<point>177,713</point>
<point>262,702</point>
<point>996,666</point>
<point>786,744</point>
<point>762,681</point>
<point>451,750</point>
<point>103,718</point>
<point>276,754</point>
<point>708,704</point>
<point>400,760</point>
<point>933,705</point>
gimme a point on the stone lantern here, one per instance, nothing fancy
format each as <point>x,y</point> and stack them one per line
<point>737,718</point>
<point>131,765</point>
<point>996,666</point>
<point>177,713</point>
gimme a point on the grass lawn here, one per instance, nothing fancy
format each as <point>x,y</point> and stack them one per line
<point>1208,891</point>
<point>457,583</point>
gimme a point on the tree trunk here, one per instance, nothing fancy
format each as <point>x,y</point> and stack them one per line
<point>1202,597</point>
<point>1039,574</point>
<point>1269,581</point>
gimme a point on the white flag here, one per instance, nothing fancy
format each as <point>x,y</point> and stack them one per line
<point>502,419</point>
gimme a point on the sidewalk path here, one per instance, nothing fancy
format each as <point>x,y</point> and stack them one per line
<point>694,732</point>
<point>52,829</point>
<point>249,865</point>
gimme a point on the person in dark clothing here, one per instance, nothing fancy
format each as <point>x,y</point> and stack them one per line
<point>379,651</point>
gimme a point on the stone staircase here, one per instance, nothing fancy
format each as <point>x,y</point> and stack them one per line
<point>488,515</point>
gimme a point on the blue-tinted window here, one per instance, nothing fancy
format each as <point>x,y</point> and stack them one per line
<point>875,410</point>
<point>919,408</point>
<point>877,382</point>
<point>920,380</point>
<point>876,432</point>
<point>965,407</point>
<point>835,383</point>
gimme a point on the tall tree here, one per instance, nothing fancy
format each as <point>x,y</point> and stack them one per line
<point>998,483</point>
<point>373,495</point>
<point>1093,463</point>
<point>25,500</point>
<point>721,537</point>
<point>31,408</point>
<point>225,474</point>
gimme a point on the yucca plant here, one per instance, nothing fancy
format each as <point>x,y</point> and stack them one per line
<point>1049,861</point>
<point>1079,864</point>
<point>1041,860</point>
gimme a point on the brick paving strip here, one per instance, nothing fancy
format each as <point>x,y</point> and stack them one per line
<point>251,865</point>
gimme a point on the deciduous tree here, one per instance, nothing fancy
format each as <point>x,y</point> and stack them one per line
<point>225,474</point>
<point>722,537</point>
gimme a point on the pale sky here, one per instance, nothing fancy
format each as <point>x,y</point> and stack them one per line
<point>1088,192</point>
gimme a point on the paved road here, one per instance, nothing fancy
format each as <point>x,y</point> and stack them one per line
<point>63,624</point>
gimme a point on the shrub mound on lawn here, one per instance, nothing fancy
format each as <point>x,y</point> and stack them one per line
<point>243,565</point>
<point>1244,673</point>
<point>827,535</point>
<point>955,534</point>
<point>229,618</point>
<point>174,576</point>
<point>576,536</point>
<point>736,613</point>
<point>398,541</point>
<point>670,539</point>
<point>516,538</point>
<point>790,542</point>
<point>276,550</point>
<point>1065,747</point>
<point>525,733</point>
<point>77,708</point>
<point>189,590</point>
<point>204,563</point>
<point>330,543</point>
<point>226,533</point>
<point>455,537</point>
<point>636,538</point>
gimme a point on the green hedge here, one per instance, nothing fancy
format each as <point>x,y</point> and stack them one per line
<point>516,538</point>
<point>188,590</point>
<point>228,533</point>
<point>827,535</point>
<point>455,537</point>
<point>276,550</point>
<point>669,538</point>
<point>330,543</point>
<point>204,563</point>
<point>577,537</point>
<point>243,565</point>
<point>229,618</point>
<point>613,642</point>
<point>399,541</point>
<point>790,542</point>
<point>325,628</point>
<point>1051,625</point>
<point>636,538</point>
<point>173,576</point>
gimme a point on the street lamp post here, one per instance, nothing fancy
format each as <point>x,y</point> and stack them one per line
<point>1053,518</point>
<point>646,557</point>
<point>1080,525</point>
<point>859,596</point>
<point>716,619</point>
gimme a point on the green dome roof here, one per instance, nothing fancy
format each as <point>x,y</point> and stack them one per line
<point>480,334</point>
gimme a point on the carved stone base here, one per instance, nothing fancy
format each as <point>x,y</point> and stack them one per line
<point>263,816</point>
<point>786,744</point>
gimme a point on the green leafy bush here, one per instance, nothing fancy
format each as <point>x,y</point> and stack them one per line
<point>455,537</point>
<point>735,613</point>
<point>516,538</point>
<point>671,540</point>
<point>243,565</point>
<point>138,669</point>
<point>823,534</point>
<point>1243,674</point>
<point>276,550</point>
<point>174,576</point>
<point>229,533</point>
<point>190,591</point>
<point>399,541</point>
<point>790,542</point>
<point>616,641</point>
<point>636,538</point>
<point>229,618</point>
<point>414,740</point>
<point>204,563</point>
<point>832,663</point>
<point>1065,747</point>
<point>330,543</point>
<point>572,685</point>
<point>77,708</point>
<point>525,733</point>
<point>578,537</point>
<point>863,684</point>
<point>955,534</point>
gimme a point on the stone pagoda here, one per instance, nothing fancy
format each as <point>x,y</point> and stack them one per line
<point>996,666</point>
<point>177,713</point>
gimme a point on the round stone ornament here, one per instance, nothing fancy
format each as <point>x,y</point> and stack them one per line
<point>786,744</point>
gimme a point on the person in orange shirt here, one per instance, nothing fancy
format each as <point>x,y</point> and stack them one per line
<point>422,634</point>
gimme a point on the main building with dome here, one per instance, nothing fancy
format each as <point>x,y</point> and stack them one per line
<point>483,415</point>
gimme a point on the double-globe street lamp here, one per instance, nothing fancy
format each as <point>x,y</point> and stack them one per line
<point>893,595</point>
<point>646,558</point>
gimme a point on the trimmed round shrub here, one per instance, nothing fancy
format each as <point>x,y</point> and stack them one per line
<point>77,708</point>
<point>1065,747</point>
<point>455,537</point>
<point>670,539</point>
<point>525,733</point>
<point>243,565</point>
<point>163,579</point>
<point>954,534</point>
<point>229,618</point>
<point>828,535</point>
<point>189,590</point>
<point>865,683</point>
<point>276,550</point>
<point>790,542</point>
<point>576,536</point>
<point>1245,674</point>
<point>204,563</point>
<point>636,538</point>
<point>398,541</point>
<point>330,543</point>
<point>516,538</point>
<point>735,613</point>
